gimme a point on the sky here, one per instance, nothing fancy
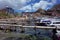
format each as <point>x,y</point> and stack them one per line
<point>28,5</point>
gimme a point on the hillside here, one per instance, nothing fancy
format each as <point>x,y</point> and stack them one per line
<point>7,13</point>
<point>54,11</point>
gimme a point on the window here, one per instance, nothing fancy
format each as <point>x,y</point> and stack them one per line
<point>56,23</point>
<point>48,22</point>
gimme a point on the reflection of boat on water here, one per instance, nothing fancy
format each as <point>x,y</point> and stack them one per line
<point>40,24</point>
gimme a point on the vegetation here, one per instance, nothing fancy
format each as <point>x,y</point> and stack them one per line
<point>28,37</point>
<point>4,15</point>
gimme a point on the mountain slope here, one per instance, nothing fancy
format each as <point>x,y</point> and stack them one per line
<point>54,11</point>
<point>7,13</point>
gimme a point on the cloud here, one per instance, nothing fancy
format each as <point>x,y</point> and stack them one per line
<point>26,8</point>
<point>42,4</point>
<point>16,4</point>
<point>22,4</point>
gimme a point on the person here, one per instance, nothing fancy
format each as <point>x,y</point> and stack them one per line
<point>54,36</point>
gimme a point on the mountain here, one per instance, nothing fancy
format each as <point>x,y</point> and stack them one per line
<point>42,11</point>
<point>55,10</point>
<point>10,10</point>
<point>7,13</point>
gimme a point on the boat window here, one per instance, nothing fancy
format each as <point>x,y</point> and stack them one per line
<point>48,22</point>
<point>56,23</point>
